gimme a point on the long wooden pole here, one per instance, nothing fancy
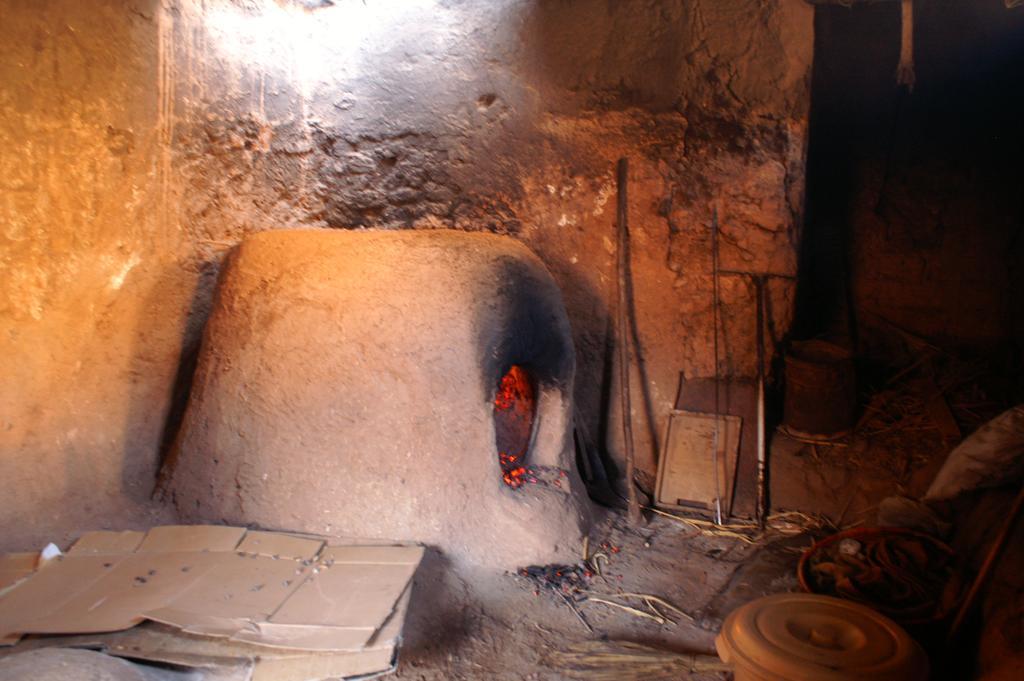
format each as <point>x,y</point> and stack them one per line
<point>624,338</point>
<point>986,567</point>
<point>715,302</point>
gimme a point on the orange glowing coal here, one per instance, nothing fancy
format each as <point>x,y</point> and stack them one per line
<point>514,408</point>
<point>514,389</point>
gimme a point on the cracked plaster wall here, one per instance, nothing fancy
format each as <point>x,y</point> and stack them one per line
<point>498,115</point>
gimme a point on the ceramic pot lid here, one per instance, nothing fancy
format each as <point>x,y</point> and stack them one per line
<point>807,637</point>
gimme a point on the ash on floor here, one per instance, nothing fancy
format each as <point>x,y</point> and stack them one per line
<point>477,625</point>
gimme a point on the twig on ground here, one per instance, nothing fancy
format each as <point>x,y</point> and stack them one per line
<point>655,599</point>
<point>622,661</point>
<point>784,523</point>
<point>576,611</point>
<point>631,610</point>
<point>709,528</point>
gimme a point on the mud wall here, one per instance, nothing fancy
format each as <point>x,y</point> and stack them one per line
<point>509,117</point>
<point>502,116</point>
<point>911,195</point>
<point>92,291</point>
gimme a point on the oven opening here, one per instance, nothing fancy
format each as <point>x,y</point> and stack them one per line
<point>515,410</point>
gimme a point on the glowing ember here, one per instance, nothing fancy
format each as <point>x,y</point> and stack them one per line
<point>514,407</point>
<point>514,478</point>
<point>514,389</point>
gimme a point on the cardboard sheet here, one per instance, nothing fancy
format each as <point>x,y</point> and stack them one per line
<point>366,581</point>
<point>374,554</point>
<point>378,657</point>
<point>276,544</point>
<point>278,592</point>
<point>341,605</point>
<point>154,642</point>
<point>191,538</point>
<point>305,637</point>
<point>120,598</point>
<point>237,587</point>
<point>363,664</point>
<point>50,588</point>
<point>15,567</point>
<point>323,640</point>
<point>107,542</point>
<point>364,597</point>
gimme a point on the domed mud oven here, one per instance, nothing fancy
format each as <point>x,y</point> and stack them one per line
<point>397,385</point>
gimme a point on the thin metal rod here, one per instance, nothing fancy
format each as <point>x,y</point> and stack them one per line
<point>633,503</point>
<point>762,487</point>
<point>714,323</point>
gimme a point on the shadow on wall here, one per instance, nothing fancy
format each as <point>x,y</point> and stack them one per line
<point>191,340</point>
<point>913,206</point>
<point>597,387</point>
<point>154,409</point>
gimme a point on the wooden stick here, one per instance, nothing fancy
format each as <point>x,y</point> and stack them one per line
<point>624,334</point>
<point>986,567</point>
<point>905,69</point>
<point>576,611</point>
<point>714,324</point>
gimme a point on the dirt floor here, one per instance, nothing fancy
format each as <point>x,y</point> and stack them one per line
<point>502,626</point>
<point>485,624</point>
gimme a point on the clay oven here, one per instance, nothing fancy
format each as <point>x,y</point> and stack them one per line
<point>401,385</point>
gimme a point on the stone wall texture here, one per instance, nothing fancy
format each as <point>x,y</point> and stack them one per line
<point>149,137</point>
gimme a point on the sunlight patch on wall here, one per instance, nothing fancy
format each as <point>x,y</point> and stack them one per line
<point>309,45</point>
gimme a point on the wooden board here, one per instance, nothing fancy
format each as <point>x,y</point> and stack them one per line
<point>686,472</point>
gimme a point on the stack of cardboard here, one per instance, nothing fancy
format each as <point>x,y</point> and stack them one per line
<point>268,604</point>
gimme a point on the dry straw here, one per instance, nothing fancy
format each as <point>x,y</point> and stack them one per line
<point>623,661</point>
